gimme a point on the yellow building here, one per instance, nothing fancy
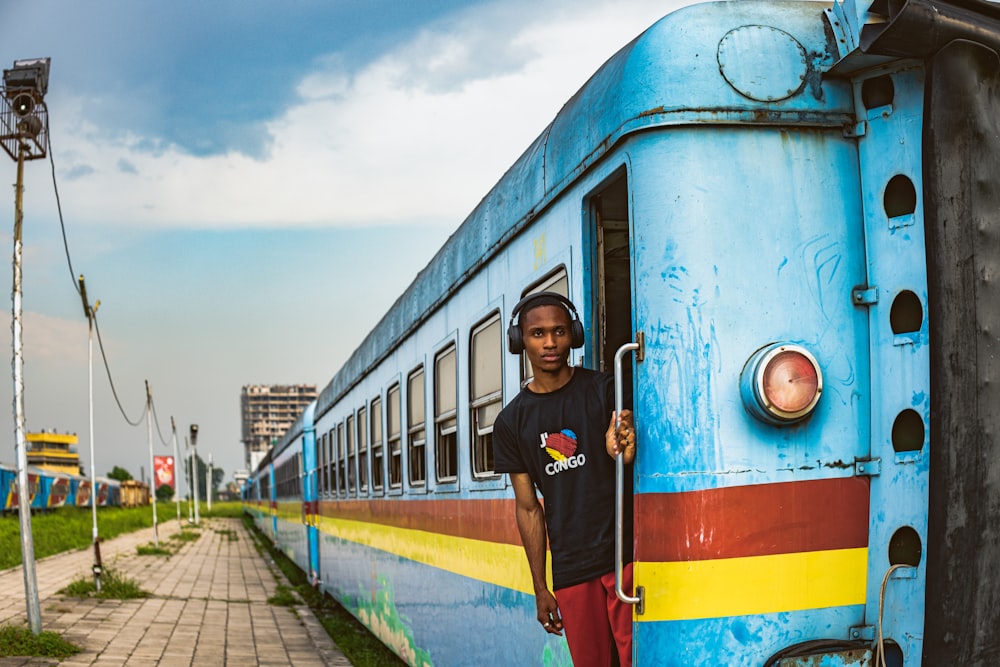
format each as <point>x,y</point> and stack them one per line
<point>53,451</point>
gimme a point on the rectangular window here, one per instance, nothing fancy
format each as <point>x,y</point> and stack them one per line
<point>446,416</point>
<point>394,420</point>
<point>558,283</point>
<point>377,446</point>
<point>362,451</point>
<point>486,391</point>
<point>331,463</point>
<point>417,438</point>
<point>341,462</point>
<point>352,456</point>
<point>317,452</point>
<point>320,464</point>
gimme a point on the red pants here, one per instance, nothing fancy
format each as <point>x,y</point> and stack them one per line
<point>595,621</point>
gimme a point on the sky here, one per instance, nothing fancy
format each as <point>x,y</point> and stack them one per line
<point>248,185</point>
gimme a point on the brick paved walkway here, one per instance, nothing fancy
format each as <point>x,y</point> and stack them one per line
<point>208,606</point>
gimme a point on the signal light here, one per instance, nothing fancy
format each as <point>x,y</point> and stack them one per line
<point>781,384</point>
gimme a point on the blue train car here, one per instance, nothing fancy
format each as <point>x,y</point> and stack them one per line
<point>8,485</point>
<point>52,489</point>
<point>779,223</point>
<point>294,500</point>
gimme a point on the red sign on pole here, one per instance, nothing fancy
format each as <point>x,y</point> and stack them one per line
<point>163,471</point>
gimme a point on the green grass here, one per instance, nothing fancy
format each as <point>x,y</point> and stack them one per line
<point>284,597</point>
<point>71,528</point>
<point>153,550</point>
<point>360,646</point>
<point>20,641</point>
<point>114,586</point>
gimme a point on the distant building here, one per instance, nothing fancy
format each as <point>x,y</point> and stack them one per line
<point>268,411</point>
<point>53,451</point>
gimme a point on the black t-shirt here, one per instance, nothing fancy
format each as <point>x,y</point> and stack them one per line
<point>558,439</point>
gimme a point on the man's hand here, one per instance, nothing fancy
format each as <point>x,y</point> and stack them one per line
<point>548,612</point>
<point>620,436</point>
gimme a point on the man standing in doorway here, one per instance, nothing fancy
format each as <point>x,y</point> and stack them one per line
<point>554,436</point>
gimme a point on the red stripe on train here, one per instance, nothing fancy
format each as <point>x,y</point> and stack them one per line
<point>755,520</point>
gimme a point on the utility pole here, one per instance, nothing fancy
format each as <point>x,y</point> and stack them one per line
<point>152,471</point>
<point>190,471</point>
<point>194,470</point>
<point>90,312</point>
<point>21,131</point>
<point>208,482</point>
<point>177,484</point>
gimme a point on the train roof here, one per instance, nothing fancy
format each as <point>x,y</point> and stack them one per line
<point>304,422</point>
<point>669,74</point>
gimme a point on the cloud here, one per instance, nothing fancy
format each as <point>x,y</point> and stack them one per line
<point>126,167</point>
<point>51,343</point>
<point>418,135</point>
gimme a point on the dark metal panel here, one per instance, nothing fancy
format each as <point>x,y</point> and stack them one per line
<point>920,28</point>
<point>962,207</point>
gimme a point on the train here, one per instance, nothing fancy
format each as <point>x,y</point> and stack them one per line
<point>779,222</point>
<point>49,490</point>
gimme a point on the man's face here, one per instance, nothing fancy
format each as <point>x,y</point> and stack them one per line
<point>546,334</point>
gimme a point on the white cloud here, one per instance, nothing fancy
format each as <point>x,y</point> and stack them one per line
<point>50,342</point>
<point>420,134</point>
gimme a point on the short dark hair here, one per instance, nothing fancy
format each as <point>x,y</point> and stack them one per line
<point>542,299</point>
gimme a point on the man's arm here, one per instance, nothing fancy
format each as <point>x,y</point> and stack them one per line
<point>531,526</point>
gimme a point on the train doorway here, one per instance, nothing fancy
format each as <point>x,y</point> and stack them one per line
<point>612,275</point>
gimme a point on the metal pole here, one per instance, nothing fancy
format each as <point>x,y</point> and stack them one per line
<point>152,471</point>
<point>90,312</point>
<point>177,484</point>
<point>194,472</point>
<point>190,470</point>
<point>23,492</point>
<point>208,482</point>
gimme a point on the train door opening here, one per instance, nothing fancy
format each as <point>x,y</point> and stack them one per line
<point>612,276</point>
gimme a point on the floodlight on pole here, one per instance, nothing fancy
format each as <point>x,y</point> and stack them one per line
<point>194,471</point>
<point>23,138</point>
<point>23,115</point>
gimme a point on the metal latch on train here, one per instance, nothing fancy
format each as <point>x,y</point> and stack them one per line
<point>864,296</point>
<point>869,468</point>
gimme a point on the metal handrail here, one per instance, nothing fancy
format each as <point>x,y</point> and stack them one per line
<point>620,483</point>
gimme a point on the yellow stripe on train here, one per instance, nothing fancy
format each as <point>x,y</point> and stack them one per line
<point>752,585</point>
<point>492,562</point>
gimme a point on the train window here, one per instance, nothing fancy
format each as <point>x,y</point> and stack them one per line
<point>362,452</point>
<point>486,391</point>
<point>446,416</point>
<point>331,462</point>
<point>297,479</point>
<point>378,463</point>
<point>352,457</point>
<point>558,283</point>
<point>417,438</point>
<point>341,462</point>
<point>394,421</point>
<point>318,453</point>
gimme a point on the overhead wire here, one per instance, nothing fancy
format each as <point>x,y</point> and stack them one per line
<point>156,420</point>
<point>72,273</point>
<point>111,381</point>
<point>55,188</point>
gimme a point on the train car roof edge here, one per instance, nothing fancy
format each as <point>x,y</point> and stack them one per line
<point>560,155</point>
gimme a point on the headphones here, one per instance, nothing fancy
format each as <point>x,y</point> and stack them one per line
<point>515,340</point>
